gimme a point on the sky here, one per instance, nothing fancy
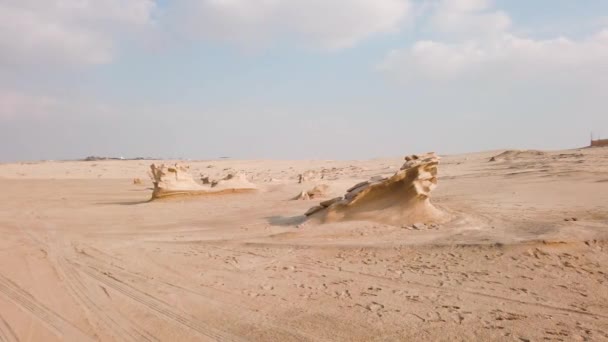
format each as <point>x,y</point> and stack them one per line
<point>299,79</point>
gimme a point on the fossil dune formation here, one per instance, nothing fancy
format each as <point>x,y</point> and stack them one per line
<point>176,180</point>
<point>519,251</point>
<point>403,198</point>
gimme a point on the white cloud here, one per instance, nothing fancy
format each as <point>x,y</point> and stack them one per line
<point>89,32</point>
<point>67,32</point>
<point>507,56</point>
<point>476,44</point>
<point>328,24</point>
<point>469,17</point>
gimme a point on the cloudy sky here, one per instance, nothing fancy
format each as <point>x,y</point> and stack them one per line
<point>299,78</point>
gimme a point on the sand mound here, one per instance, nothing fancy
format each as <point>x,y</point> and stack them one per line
<point>517,154</point>
<point>400,199</point>
<point>316,192</point>
<point>176,180</point>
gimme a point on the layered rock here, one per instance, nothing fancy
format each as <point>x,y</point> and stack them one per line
<point>403,198</point>
<point>176,180</point>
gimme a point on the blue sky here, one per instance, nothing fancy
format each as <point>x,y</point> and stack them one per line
<point>299,79</point>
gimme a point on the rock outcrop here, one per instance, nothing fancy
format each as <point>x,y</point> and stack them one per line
<point>316,192</point>
<point>403,198</point>
<point>176,180</point>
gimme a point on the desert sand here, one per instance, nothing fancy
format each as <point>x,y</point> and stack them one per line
<point>522,254</point>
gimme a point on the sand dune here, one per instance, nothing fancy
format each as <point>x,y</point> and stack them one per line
<point>85,255</point>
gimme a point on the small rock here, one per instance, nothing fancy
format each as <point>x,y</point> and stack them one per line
<point>419,226</point>
<point>566,219</point>
<point>302,196</point>
<point>574,219</point>
<point>373,307</point>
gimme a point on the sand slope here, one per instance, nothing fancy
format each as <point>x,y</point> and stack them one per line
<point>85,256</point>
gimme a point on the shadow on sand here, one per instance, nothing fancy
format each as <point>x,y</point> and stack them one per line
<point>125,203</point>
<point>286,220</point>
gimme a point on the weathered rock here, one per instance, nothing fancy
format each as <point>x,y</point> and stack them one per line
<point>358,185</point>
<point>351,194</point>
<point>318,191</point>
<point>314,210</point>
<point>302,196</point>
<point>306,176</point>
<point>176,180</point>
<point>401,199</point>
<point>327,203</point>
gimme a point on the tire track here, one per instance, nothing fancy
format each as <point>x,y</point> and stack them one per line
<point>98,315</point>
<point>59,325</point>
<point>156,304</point>
<point>6,332</point>
<point>234,303</point>
<point>96,310</point>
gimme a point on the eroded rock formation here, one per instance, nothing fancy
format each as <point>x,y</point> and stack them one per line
<point>176,180</point>
<point>403,198</point>
<point>316,192</point>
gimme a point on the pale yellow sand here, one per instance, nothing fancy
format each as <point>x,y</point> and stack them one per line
<point>84,256</point>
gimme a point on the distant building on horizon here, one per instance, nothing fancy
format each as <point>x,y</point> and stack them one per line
<point>599,143</point>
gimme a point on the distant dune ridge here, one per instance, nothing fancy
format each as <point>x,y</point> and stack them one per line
<point>517,154</point>
<point>401,199</point>
<point>176,180</point>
